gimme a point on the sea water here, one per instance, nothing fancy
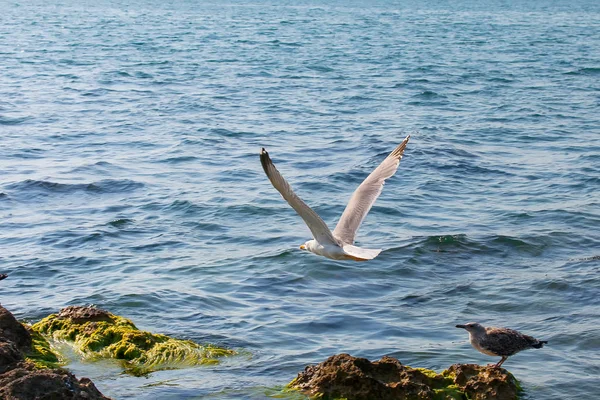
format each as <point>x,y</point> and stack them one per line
<point>130,179</point>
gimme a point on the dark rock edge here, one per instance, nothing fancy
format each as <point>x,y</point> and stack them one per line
<point>22,380</point>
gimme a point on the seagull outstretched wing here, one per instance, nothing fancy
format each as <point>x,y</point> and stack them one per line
<point>365,195</point>
<point>316,225</point>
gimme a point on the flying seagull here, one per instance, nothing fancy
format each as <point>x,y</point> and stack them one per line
<point>500,342</point>
<point>339,244</point>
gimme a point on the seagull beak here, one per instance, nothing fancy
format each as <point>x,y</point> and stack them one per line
<point>461,326</point>
<point>303,247</point>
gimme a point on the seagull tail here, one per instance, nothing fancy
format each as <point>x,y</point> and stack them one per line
<point>540,344</point>
<point>359,254</point>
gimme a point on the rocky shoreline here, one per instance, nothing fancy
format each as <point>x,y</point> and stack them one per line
<point>30,369</point>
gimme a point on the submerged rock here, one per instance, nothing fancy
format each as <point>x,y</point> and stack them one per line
<point>345,377</point>
<point>21,378</point>
<point>97,333</point>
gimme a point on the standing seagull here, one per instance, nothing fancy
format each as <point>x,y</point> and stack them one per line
<point>501,342</point>
<point>338,245</point>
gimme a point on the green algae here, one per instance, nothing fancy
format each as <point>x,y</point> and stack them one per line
<point>443,386</point>
<point>41,353</point>
<point>141,352</point>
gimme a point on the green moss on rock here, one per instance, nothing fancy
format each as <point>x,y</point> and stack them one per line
<point>41,353</point>
<point>97,333</point>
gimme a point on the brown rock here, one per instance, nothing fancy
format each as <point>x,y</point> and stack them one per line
<point>12,330</point>
<point>21,380</point>
<point>80,315</point>
<point>485,383</point>
<point>24,383</point>
<point>357,378</point>
<point>344,376</point>
<point>9,355</point>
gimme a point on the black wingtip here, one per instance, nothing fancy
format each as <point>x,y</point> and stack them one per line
<point>3,276</point>
<point>265,160</point>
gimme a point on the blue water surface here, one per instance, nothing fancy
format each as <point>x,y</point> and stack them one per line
<point>130,179</point>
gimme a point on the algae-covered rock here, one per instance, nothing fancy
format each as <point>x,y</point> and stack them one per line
<point>40,352</point>
<point>97,333</point>
<point>345,377</point>
<point>22,353</point>
<point>484,383</point>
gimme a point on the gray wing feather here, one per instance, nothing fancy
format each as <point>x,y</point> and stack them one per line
<point>316,225</point>
<point>365,195</point>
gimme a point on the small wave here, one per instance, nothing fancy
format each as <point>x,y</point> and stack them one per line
<point>13,121</point>
<point>320,68</point>
<point>585,71</point>
<point>184,206</point>
<point>449,243</point>
<point>227,133</point>
<point>103,186</point>
<point>143,75</point>
<point>120,222</point>
<point>428,94</point>
<point>290,44</point>
<point>99,92</point>
<point>180,159</point>
<point>102,167</point>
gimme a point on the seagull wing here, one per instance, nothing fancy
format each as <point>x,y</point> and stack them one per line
<point>316,225</point>
<point>365,195</point>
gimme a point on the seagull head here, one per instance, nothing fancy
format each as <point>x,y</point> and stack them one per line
<point>472,327</point>
<point>309,245</point>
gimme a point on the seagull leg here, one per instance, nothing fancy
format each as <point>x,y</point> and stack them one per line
<point>504,358</point>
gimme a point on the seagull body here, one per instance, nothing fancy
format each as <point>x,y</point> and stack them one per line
<point>339,244</point>
<point>499,342</point>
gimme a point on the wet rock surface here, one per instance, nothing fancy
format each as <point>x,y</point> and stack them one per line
<point>23,380</point>
<point>345,377</point>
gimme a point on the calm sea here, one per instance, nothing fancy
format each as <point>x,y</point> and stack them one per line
<point>130,179</point>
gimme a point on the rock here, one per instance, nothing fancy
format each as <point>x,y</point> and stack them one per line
<point>26,382</point>
<point>13,331</point>
<point>9,355</point>
<point>81,315</point>
<point>344,376</point>
<point>484,383</point>
<point>97,333</point>
<point>21,379</point>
